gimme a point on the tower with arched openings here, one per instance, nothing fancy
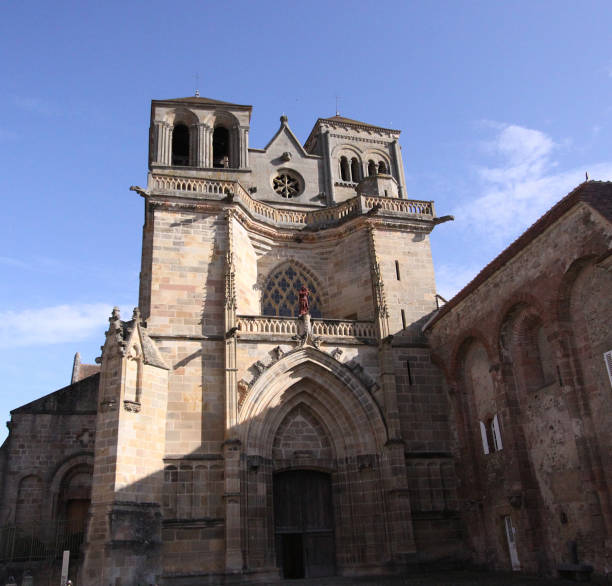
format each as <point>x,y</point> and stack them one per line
<point>290,400</point>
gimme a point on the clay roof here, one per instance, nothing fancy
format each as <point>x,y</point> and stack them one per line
<point>203,101</point>
<point>343,120</point>
<point>597,194</point>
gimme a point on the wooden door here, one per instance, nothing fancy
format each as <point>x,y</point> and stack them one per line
<point>304,525</point>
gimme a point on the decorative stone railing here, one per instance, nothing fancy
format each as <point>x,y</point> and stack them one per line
<point>333,328</point>
<point>267,325</point>
<point>192,184</point>
<point>409,206</point>
<point>343,328</point>
<point>359,205</point>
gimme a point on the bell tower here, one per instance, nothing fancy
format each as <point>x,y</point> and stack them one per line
<point>199,134</point>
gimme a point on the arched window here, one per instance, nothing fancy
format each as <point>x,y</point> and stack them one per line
<point>355,170</point>
<point>221,150</point>
<point>280,293</point>
<point>74,497</point>
<point>180,145</point>
<point>29,501</point>
<point>382,168</point>
<point>344,169</point>
<point>371,168</point>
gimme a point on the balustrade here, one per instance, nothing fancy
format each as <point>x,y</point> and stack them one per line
<point>324,216</point>
<point>320,327</point>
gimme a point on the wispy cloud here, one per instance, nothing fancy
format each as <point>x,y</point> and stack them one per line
<point>13,262</point>
<point>450,279</point>
<point>52,325</point>
<point>35,105</point>
<point>522,182</point>
<point>7,135</point>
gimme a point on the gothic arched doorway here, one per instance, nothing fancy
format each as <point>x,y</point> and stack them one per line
<point>304,524</point>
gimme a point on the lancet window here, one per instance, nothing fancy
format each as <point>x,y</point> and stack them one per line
<point>280,293</point>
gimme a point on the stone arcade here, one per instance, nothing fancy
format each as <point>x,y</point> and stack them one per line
<point>240,429</point>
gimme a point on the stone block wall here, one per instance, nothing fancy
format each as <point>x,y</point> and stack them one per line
<point>525,344</point>
<point>187,275</point>
<point>47,438</point>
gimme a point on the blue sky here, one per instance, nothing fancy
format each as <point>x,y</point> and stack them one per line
<point>503,106</point>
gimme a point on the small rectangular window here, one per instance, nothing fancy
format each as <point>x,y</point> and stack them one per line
<point>403,319</point>
<point>497,441</point>
<point>397,272</point>
<point>608,361</point>
<point>483,435</point>
<point>409,372</point>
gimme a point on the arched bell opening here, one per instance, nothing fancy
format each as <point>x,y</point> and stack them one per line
<point>221,147</point>
<point>180,145</point>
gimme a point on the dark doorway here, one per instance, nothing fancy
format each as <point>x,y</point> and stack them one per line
<point>304,525</point>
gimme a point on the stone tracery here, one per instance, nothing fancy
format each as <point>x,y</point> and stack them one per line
<point>280,292</point>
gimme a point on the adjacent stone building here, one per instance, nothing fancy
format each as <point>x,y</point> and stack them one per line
<point>525,349</point>
<point>235,432</point>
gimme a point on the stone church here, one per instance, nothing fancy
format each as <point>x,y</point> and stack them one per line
<point>291,398</point>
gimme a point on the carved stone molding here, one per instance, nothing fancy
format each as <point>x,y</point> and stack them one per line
<point>132,406</point>
<point>106,406</point>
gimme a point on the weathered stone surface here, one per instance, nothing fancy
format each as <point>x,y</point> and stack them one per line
<point>207,401</point>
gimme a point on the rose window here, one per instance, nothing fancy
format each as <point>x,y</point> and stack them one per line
<point>280,293</point>
<point>287,184</point>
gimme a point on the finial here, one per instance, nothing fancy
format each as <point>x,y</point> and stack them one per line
<point>337,111</point>
<point>587,176</point>
<point>115,315</point>
<point>197,92</point>
<point>284,119</point>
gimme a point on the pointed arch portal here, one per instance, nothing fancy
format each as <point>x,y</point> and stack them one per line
<point>315,440</point>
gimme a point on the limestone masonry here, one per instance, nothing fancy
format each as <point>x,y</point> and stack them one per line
<point>224,438</point>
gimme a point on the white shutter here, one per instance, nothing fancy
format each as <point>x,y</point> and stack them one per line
<point>608,361</point>
<point>483,434</point>
<point>496,434</point>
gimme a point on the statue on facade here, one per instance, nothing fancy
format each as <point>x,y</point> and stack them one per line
<point>303,300</point>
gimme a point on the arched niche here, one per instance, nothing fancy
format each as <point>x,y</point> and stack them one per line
<point>524,342</point>
<point>183,123</point>
<point>71,481</point>
<point>225,139</point>
<point>28,508</point>
<point>329,391</point>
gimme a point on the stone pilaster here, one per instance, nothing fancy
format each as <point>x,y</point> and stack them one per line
<point>193,145</point>
<point>327,170</point>
<point>163,137</point>
<point>378,289</point>
<point>233,519</point>
<point>399,168</point>
<point>244,147</point>
<point>397,501</point>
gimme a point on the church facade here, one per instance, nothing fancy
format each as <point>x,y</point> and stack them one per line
<point>287,399</point>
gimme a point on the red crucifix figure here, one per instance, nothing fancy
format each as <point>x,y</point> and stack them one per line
<point>303,300</point>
